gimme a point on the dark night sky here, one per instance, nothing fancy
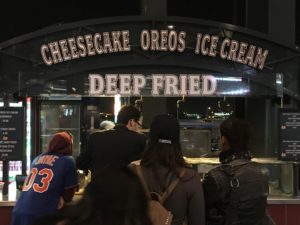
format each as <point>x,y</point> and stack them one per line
<point>21,17</point>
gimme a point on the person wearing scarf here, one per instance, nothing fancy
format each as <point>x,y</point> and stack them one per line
<point>235,156</point>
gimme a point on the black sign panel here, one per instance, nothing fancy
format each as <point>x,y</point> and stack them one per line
<point>11,133</point>
<point>289,135</point>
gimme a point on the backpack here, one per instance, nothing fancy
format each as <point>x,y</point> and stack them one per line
<point>159,215</point>
<point>247,184</point>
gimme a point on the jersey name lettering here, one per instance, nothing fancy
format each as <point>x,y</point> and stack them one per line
<point>47,159</point>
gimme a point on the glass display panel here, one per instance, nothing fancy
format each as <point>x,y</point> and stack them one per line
<point>14,168</point>
<point>195,142</point>
<point>58,117</point>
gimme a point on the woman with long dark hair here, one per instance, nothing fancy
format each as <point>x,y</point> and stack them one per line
<point>163,162</point>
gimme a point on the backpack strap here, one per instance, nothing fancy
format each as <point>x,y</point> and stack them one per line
<point>231,216</point>
<point>139,171</point>
<point>171,187</point>
<point>168,190</point>
<point>234,183</point>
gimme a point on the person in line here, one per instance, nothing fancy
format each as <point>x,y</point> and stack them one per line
<point>163,162</point>
<point>115,147</point>
<point>114,197</point>
<point>235,200</point>
<point>106,125</point>
<point>51,182</point>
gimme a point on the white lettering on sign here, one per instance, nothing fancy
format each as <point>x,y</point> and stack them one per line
<point>125,89</point>
<point>139,82</point>
<point>155,41</point>
<point>171,87</point>
<point>162,40</point>
<point>209,85</point>
<point>87,45</point>
<point>96,84</point>
<point>243,53</point>
<point>157,84</point>
<point>162,84</point>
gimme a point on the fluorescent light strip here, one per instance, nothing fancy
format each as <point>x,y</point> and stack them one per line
<point>28,133</point>
<point>235,92</point>
<point>234,79</point>
<point>117,106</point>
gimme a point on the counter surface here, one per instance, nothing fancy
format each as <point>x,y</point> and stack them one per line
<point>215,161</point>
<point>274,199</point>
<point>13,194</point>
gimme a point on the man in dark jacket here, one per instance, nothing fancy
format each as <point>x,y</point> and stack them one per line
<point>115,147</point>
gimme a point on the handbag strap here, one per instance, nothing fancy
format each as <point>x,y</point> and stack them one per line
<point>168,190</point>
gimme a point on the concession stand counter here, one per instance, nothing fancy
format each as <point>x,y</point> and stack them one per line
<point>73,76</point>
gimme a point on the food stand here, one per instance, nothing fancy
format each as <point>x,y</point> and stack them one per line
<point>72,73</point>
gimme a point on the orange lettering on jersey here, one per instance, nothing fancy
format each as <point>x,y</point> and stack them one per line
<point>45,181</point>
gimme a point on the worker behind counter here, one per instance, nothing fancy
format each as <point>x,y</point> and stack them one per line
<point>115,147</point>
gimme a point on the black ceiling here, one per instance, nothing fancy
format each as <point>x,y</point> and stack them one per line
<point>21,17</point>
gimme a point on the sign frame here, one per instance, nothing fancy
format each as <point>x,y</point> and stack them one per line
<point>16,131</point>
<point>292,147</point>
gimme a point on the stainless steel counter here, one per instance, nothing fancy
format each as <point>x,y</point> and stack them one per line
<point>215,161</point>
<point>273,200</point>
<point>10,199</point>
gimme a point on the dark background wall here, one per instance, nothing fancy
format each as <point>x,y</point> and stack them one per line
<point>21,17</point>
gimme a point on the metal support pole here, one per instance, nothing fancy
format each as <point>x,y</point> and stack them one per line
<point>5,162</point>
<point>5,177</point>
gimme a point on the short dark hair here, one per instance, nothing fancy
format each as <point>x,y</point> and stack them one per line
<point>127,113</point>
<point>238,133</point>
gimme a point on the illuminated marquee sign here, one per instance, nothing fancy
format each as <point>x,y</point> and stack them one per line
<point>162,84</point>
<point>152,40</point>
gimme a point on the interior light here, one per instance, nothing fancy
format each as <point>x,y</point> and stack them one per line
<point>16,104</point>
<point>28,133</point>
<point>117,106</point>
<point>234,79</point>
<point>235,92</point>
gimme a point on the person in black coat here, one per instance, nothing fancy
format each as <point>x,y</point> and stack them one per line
<point>116,147</point>
<point>236,191</point>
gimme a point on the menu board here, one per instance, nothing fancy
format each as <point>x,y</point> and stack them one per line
<point>11,133</point>
<point>289,135</point>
